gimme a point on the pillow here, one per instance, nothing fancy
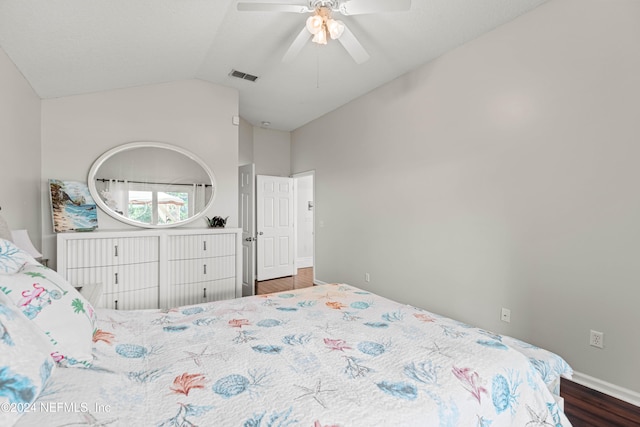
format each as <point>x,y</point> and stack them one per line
<point>5,231</point>
<point>25,362</point>
<point>57,308</point>
<point>12,258</point>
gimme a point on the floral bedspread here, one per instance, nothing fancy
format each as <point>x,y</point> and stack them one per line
<point>331,355</point>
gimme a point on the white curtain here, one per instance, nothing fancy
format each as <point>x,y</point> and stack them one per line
<point>117,196</point>
<point>199,199</point>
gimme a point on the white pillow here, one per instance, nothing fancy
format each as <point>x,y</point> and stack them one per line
<point>25,362</point>
<point>12,258</point>
<point>57,308</point>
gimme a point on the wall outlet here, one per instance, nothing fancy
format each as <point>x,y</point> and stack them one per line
<point>596,339</point>
<point>505,315</point>
<point>367,278</point>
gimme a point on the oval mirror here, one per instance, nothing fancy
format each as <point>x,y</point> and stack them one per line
<point>152,184</point>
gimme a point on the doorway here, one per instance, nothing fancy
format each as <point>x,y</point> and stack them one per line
<point>304,203</point>
<point>301,214</point>
<point>275,227</point>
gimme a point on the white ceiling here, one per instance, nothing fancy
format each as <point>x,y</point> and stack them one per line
<point>69,47</point>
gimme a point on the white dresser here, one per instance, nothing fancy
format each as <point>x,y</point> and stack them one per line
<point>154,268</point>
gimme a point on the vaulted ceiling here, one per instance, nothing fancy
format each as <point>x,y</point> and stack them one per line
<point>70,47</point>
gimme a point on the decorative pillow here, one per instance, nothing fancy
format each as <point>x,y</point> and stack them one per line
<point>5,231</point>
<point>25,364</point>
<point>12,258</point>
<point>57,308</point>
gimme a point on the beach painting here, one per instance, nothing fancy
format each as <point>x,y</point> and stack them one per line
<point>72,207</point>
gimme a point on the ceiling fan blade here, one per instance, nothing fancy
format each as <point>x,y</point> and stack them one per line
<point>272,7</point>
<point>353,46</point>
<point>297,45</point>
<point>361,7</point>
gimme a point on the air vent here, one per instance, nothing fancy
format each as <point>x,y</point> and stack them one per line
<point>241,75</point>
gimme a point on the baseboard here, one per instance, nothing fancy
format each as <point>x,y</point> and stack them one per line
<point>319,282</point>
<point>612,390</point>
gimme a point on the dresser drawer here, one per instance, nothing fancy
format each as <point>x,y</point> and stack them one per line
<point>201,246</point>
<point>117,277</point>
<point>138,299</point>
<point>116,251</point>
<point>201,270</point>
<point>195,293</point>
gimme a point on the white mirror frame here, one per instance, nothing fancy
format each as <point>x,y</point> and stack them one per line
<point>91,181</point>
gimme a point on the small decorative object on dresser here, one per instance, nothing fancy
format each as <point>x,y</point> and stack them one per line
<point>216,221</point>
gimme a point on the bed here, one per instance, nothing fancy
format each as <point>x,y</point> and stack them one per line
<point>330,355</point>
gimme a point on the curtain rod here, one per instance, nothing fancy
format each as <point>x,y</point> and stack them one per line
<point>145,182</point>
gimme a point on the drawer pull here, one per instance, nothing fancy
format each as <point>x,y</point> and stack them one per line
<point>204,245</point>
<point>116,278</point>
<point>205,269</point>
<point>116,301</point>
<point>205,293</point>
<point>116,250</point>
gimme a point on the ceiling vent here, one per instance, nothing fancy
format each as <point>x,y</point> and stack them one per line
<point>241,75</point>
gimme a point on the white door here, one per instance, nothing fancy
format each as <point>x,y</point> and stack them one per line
<point>274,215</point>
<point>246,185</point>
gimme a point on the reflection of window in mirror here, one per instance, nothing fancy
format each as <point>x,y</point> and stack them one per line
<point>159,204</point>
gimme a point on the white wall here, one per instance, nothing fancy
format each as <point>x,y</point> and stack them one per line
<point>503,174</point>
<point>272,152</point>
<point>192,114</point>
<point>269,149</point>
<point>19,151</point>
<point>245,142</point>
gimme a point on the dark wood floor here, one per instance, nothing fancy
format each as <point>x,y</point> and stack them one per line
<point>589,408</point>
<point>303,279</point>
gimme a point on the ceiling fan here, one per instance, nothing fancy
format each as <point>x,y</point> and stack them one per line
<point>321,25</point>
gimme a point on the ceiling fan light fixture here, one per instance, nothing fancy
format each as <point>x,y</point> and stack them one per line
<point>335,27</point>
<point>322,26</point>
<point>320,37</point>
<point>315,24</point>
